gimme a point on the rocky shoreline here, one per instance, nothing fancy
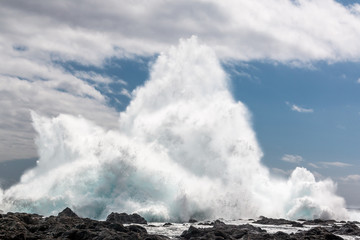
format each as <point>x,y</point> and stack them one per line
<point>67,225</point>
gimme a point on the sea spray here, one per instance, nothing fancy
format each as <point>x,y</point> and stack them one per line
<point>184,148</point>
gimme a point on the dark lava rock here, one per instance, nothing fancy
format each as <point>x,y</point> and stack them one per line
<point>67,225</point>
<point>192,220</point>
<point>247,232</point>
<point>67,212</point>
<point>223,231</point>
<point>125,218</point>
<point>167,224</point>
<point>317,233</point>
<point>207,223</point>
<point>349,228</point>
<point>319,222</point>
<point>273,221</point>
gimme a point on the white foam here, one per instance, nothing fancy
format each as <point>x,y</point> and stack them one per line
<point>185,148</point>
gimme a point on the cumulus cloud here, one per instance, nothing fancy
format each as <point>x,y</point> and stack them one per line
<point>239,29</point>
<point>292,158</point>
<point>335,164</point>
<point>281,172</point>
<point>18,97</point>
<point>52,31</point>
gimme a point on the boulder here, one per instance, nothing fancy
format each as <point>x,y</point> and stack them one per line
<point>125,218</point>
<point>67,225</point>
<point>274,221</point>
<point>348,228</point>
<point>67,212</point>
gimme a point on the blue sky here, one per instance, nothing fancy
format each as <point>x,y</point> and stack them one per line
<point>295,64</point>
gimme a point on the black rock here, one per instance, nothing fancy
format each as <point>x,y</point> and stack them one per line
<point>317,233</point>
<point>67,212</point>
<point>125,218</point>
<point>192,220</point>
<point>273,221</point>
<point>346,229</point>
<point>67,225</point>
<point>224,231</point>
<point>167,224</point>
<point>321,222</point>
<point>221,230</point>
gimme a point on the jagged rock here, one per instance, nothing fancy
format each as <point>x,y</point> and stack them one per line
<point>192,220</point>
<point>319,222</point>
<point>66,226</point>
<point>67,212</point>
<point>223,231</point>
<point>317,233</point>
<point>125,218</point>
<point>348,228</point>
<point>273,221</point>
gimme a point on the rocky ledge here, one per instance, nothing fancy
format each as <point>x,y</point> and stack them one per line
<point>221,230</point>
<point>67,225</point>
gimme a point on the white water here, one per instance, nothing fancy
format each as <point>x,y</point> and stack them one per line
<point>184,148</point>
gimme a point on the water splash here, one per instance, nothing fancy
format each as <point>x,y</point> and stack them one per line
<point>185,148</point>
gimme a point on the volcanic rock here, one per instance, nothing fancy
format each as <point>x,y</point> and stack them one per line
<point>223,231</point>
<point>319,222</point>
<point>67,226</point>
<point>273,221</point>
<point>192,220</point>
<point>67,212</point>
<point>348,228</point>
<point>125,218</point>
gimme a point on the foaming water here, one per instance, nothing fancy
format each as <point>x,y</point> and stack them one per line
<point>184,148</point>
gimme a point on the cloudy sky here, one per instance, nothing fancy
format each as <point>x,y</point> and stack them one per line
<point>294,63</point>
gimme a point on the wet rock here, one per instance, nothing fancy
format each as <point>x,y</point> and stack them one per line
<point>317,233</point>
<point>280,221</point>
<point>67,225</point>
<point>125,218</point>
<point>321,222</point>
<point>348,228</point>
<point>192,220</point>
<point>167,224</point>
<point>67,212</point>
<point>223,231</point>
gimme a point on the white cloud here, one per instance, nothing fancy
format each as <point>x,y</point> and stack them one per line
<point>301,109</point>
<point>125,92</point>
<point>292,158</point>
<point>358,81</point>
<point>313,165</point>
<point>281,172</point>
<point>240,29</point>
<point>335,164</point>
<point>351,178</point>
<point>71,31</point>
<point>18,96</point>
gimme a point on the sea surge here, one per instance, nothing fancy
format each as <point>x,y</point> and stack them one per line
<point>184,149</point>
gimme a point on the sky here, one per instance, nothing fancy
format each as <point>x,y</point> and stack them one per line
<point>294,64</point>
